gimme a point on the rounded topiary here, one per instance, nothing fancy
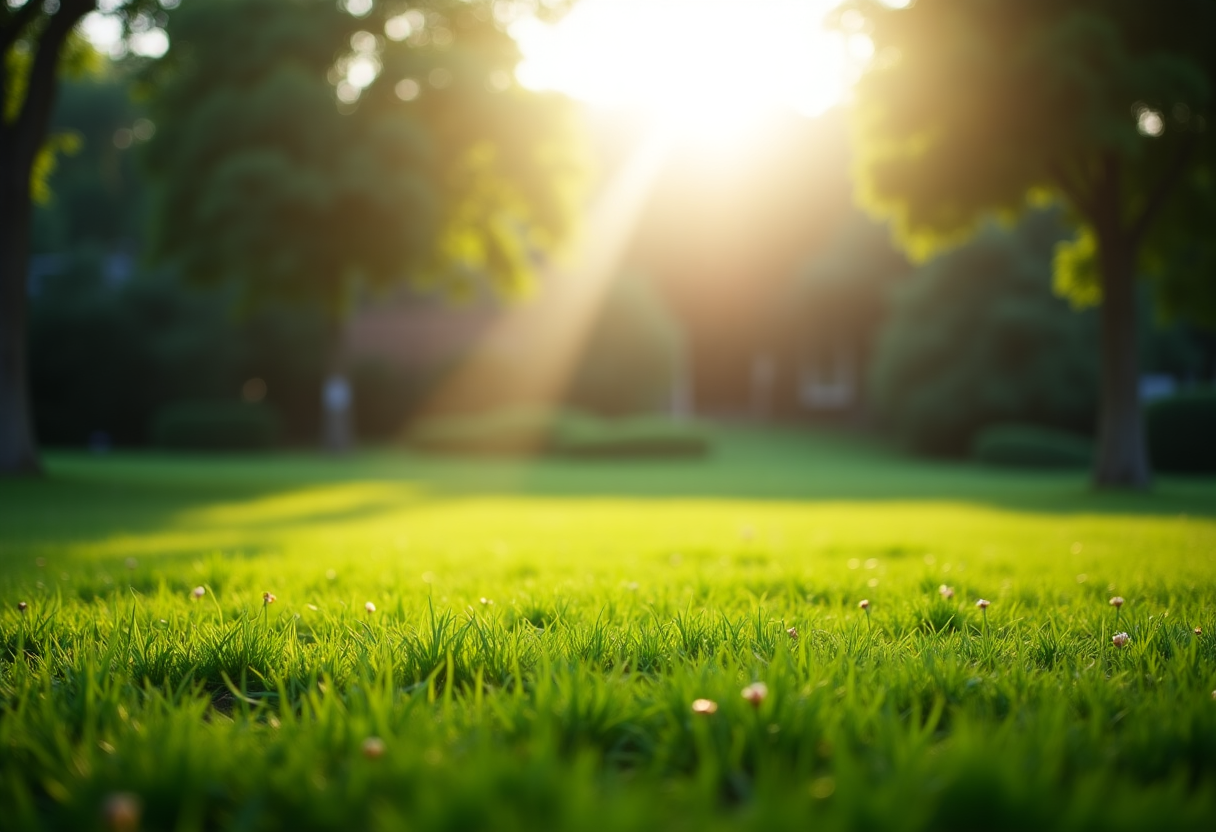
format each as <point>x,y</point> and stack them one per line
<point>215,426</point>
<point>1182,432</point>
<point>1031,446</point>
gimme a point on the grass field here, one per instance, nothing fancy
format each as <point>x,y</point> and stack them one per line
<point>542,630</point>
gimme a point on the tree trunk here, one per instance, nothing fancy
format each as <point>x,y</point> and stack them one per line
<point>18,450</point>
<point>1122,460</point>
<point>20,138</point>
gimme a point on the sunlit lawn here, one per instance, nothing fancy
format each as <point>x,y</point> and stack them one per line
<point>541,631</point>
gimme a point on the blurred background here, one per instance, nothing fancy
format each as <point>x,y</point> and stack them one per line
<point>527,226</point>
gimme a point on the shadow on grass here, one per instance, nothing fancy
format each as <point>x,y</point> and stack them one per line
<point>161,504</point>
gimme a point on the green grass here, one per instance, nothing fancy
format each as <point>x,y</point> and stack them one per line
<point>615,594</point>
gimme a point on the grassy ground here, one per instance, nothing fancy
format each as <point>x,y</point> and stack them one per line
<point>541,632</point>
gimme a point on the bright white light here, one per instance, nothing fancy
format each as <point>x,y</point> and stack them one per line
<point>104,32</point>
<point>358,8</point>
<point>151,44</point>
<point>398,28</point>
<point>699,63</point>
<point>1150,122</point>
<point>361,72</point>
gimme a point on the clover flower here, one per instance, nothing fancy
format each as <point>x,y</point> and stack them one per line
<point>1120,639</point>
<point>864,604</point>
<point>792,632</point>
<point>946,592</point>
<point>198,592</point>
<point>1198,631</point>
<point>373,748</point>
<point>983,604</point>
<point>268,598</point>
<point>22,607</point>
<point>370,607</point>
<point>755,693</point>
<point>704,706</point>
<point>1117,601</point>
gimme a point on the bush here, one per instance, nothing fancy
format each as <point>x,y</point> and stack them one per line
<point>976,338</point>
<point>644,436</point>
<point>1182,432</point>
<point>1031,446</point>
<point>107,358</point>
<point>559,433</point>
<point>507,431</point>
<point>215,426</point>
<point>632,354</point>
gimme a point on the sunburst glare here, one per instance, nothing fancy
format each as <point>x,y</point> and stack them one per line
<point>707,68</point>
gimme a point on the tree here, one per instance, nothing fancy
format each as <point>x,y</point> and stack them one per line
<point>988,106</point>
<point>976,337</point>
<point>310,155</point>
<point>38,41</point>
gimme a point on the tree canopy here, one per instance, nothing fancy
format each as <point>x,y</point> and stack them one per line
<point>990,106</point>
<point>304,151</point>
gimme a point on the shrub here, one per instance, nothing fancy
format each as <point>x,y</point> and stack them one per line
<point>557,432</point>
<point>108,358</point>
<point>976,338</point>
<point>1182,432</point>
<point>644,436</point>
<point>1031,446</point>
<point>506,431</point>
<point>215,426</point>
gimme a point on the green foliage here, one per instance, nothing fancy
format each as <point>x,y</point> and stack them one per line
<point>536,430</point>
<point>976,338</point>
<point>638,437</point>
<point>1182,432</point>
<point>215,426</point>
<point>988,107</point>
<point>106,358</point>
<point>281,176</point>
<point>1031,446</point>
<point>534,654</point>
<point>77,59</point>
<point>98,197</point>
<point>517,430</point>
<point>632,353</point>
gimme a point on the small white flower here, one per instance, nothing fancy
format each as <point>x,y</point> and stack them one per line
<point>370,607</point>
<point>198,592</point>
<point>268,598</point>
<point>373,748</point>
<point>864,604</point>
<point>983,603</point>
<point>755,693</point>
<point>946,592</point>
<point>704,706</point>
<point>1117,601</point>
<point>1120,639</point>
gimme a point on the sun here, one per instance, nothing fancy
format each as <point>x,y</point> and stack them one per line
<point>707,68</point>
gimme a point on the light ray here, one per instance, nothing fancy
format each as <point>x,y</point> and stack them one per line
<point>548,332</point>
